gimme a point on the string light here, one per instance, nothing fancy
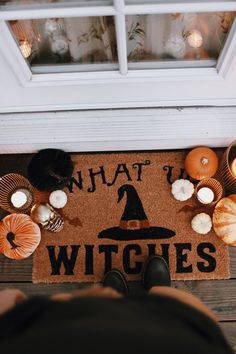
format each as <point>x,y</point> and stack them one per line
<point>195,39</point>
<point>25,48</point>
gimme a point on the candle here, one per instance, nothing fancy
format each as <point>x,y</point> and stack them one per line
<point>195,39</point>
<point>18,199</point>
<point>205,195</point>
<point>26,49</point>
<point>233,167</point>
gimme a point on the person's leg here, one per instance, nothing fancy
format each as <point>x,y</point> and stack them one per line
<point>184,297</point>
<point>114,286</point>
<point>92,291</point>
<point>156,279</point>
<point>9,298</point>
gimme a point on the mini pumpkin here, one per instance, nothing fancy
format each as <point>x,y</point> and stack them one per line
<point>224,219</point>
<point>201,162</point>
<point>19,236</point>
<point>201,223</point>
<point>182,189</point>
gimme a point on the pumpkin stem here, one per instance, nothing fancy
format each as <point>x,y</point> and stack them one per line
<point>204,160</point>
<point>10,239</point>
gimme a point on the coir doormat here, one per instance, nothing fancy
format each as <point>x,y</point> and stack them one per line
<point>120,210</point>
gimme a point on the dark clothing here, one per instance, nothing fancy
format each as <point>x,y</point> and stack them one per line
<point>145,324</point>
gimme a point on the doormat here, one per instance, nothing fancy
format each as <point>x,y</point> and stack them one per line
<point>120,210</point>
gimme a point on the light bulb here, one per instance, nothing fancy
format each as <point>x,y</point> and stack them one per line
<point>195,39</point>
<point>25,48</point>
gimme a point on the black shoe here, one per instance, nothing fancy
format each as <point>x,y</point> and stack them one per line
<point>155,273</point>
<point>116,280</point>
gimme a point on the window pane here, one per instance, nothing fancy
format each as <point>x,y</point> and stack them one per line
<point>177,37</point>
<point>66,41</point>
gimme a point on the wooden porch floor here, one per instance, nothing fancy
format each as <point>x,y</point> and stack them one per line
<point>218,295</point>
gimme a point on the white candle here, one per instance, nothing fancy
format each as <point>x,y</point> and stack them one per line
<point>205,195</point>
<point>18,199</point>
<point>233,167</point>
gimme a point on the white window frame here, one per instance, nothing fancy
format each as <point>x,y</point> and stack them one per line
<point>119,10</point>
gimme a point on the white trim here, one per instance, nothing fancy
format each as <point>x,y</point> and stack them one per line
<point>13,56</point>
<point>135,129</point>
<point>134,9</point>
<point>113,77</point>
<point>172,64</point>
<point>227,58</point>
<point>224,102</point>
<point>121,36</point>
<point>72,68</point>
<point>74,11</point>
<point>183,6</point>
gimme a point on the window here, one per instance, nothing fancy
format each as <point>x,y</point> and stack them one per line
<point>116,39</point>
<point>67,44</point>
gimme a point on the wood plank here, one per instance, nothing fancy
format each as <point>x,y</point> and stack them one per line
<point>232,253</point>
<point>15,271</point>
<point>219,296</point>
<point>229,328</point>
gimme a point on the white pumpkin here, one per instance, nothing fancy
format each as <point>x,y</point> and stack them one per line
<point>182,189</point>
<point>201,223</point>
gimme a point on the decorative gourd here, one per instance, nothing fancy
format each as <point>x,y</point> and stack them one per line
<point>201,223</point>
<point>50,169</point>
<point>201,162</point>
<point>182,189</point>
<point>224,219</point>
<point>19,236</point>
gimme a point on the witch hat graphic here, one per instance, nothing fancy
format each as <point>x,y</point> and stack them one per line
<point>134,224</point>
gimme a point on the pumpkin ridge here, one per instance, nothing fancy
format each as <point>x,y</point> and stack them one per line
<point>223,209</point>
<point>222,224</point>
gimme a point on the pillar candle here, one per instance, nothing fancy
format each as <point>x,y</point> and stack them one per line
<point>233,167</point>
<point>205,195</point>
<point>18,199</point>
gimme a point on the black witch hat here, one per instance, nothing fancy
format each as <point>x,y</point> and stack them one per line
<point>50,169</point>
<point>134,224</point>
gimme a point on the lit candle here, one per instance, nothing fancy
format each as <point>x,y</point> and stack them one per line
<point>233,167</point>
<point>18,199</point>
<point>26,49</point>
<point>195,39</point>
<point>205,195</point>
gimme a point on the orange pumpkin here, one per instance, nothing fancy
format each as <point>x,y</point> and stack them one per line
<point>224,219</point>
<point>201,162</point>
<point>19,236</point>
